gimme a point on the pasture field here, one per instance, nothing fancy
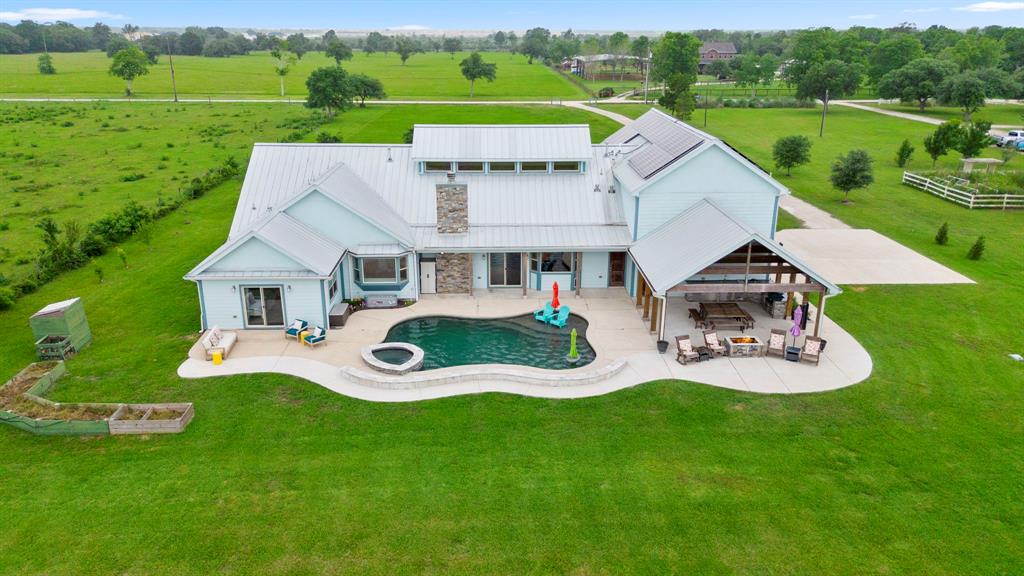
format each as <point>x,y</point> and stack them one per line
<point>83,161</point>
<point>427,76</point>
<point>914,471</point>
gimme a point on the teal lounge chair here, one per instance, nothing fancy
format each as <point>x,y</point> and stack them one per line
<point>562,318</point>
<point>294,330</point>
<point>316,336</point>
<point>544,315</point>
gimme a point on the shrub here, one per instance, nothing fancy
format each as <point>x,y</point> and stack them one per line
<point>906,150</point>
<point>977,249</point>
<point>26,286</point>
<point>132,177</point>
<point>6,298</point>
<point>328,138</point>
<point>99,273</point>
<point>942,236</point>
<point>4,226</point>
<point>606,92</point>
<point>123,256</point>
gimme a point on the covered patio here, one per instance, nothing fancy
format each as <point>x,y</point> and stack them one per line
<point>705,270</point>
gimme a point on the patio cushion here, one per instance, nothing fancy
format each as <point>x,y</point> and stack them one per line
<point>685,346</point>
<point>214,340</point>
<point>777,341</point>
<point>711,339</point>
<point>812,347</point>
<point>297,325</point>
<point>317,332</point>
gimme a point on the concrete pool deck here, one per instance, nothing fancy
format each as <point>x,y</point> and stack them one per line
<point>626,354</point>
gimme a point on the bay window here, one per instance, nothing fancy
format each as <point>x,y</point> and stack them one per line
<point>382,270</point>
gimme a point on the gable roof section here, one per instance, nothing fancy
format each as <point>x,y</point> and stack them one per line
<point>540,142</point>
<point>697,238</point>
<point>720,47</point>
<point>343,186</point>
<point>307,247</point>
<point>665,142</point>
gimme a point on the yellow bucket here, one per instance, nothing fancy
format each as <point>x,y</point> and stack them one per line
<point>218,357</point>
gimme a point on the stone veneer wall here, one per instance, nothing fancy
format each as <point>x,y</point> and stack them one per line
<point>454,273</point>
<point>452,208</point>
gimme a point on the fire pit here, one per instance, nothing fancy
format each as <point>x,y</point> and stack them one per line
<point>743,346</point>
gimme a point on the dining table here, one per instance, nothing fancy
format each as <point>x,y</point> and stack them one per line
<point>726,314</point>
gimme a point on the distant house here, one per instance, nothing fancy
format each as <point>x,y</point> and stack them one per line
<point>711,51</point>
<point>658,209</point>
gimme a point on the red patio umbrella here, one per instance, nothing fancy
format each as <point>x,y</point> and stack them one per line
<point>554,299</point>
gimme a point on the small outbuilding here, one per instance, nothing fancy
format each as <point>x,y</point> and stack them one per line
<point>61,323</point>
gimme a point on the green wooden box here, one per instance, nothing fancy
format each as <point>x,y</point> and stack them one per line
<point>65,318</point>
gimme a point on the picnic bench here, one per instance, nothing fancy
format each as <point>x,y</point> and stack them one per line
<point>725,315</point>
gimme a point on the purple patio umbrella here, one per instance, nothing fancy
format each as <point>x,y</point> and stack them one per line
<point>798,316</point>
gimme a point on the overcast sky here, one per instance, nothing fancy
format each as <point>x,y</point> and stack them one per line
<point>626,15</point>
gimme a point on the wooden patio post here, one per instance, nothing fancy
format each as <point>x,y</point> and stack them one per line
<point>647,302</point>
<point>819,315</point>
<point>639,289</point>
<point>654,314</point>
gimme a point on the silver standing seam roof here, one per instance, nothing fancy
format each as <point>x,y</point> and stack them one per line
<point>664,140</point>
<point>697,238</point>
<point>523,142</point>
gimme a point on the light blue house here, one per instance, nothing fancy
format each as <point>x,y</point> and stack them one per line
<point>477,207</point>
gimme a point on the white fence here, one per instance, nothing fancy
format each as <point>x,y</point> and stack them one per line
<point>963,195</point>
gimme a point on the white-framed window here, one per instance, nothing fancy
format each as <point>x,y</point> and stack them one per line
<point>565,166</point>
<point>501,167</point>
<point>469,166</point>
<point>534,166</point>
<point>437,166</point>
<point>332,287</point>
<point>382,270</point>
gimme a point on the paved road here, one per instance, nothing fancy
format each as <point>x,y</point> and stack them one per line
<point>859,105</point>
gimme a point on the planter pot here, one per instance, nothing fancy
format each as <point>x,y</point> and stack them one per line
<point>662,346</point>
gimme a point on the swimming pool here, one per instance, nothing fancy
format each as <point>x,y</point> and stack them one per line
<point>449,341</point>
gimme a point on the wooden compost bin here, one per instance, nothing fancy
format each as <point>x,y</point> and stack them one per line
<point>58,324</point>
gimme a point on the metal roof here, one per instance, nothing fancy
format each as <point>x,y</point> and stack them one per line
<point>55,307</point>
<point>318,253</point>
<point>664,139</point>
<point>526,238</point>
<point>541,142</point>
<point>698,237</point>
<point>380,250</point>
<point>278,173</point>
<point>723,47</point>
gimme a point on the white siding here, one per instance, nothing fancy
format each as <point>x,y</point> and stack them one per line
<point>224,308</point>
<point>712,174</point>
<point>341,225</point>
<point>595,270</point>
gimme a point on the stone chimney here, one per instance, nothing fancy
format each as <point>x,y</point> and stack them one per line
<point>452,207</point>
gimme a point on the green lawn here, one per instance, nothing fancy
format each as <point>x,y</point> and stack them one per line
<point>915,471</point>
<point>428,76</point>
<point>1012,114</point>
<point>41,156</point>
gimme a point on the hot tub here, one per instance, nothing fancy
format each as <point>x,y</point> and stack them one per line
<point>393,357</point>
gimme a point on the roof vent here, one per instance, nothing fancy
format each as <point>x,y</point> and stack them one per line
<point>389,153</point>
<point>597,187</point>
<point>611,189</point>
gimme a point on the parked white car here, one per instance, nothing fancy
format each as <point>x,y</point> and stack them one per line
<point>1012,138</point>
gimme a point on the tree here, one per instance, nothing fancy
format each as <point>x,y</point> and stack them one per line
<point>719,69</point>
<point>129,64</point>
<point>116,44</point>
<point>298,44</point>
<point>45,64</point>
<point>790,151</point>
<point>893,53</point>
<point>190,43</point>
<point>977,249</point>
<point>942,236</point>
<point>101,34</point>
<point>1013,48</point>
<point>974,51</point>
<point>474,68</point>
<point>406,47</point>
<point>329,88</point>
<point>535,44</point>
<point>939,142</point>
<point>966,91</point>
<point>972,138</point>
<point>364,87</point>
<point>452,45</point>
<point>675,61</point>
<point>499,39</point>
<point>917,81</point>
<point>284,60</point>
<point>807,48</point>
<point>618,45</point>
<point>751,70</point>
<point>851,172</point>
<point>339,51</point>
<point>998,83</point>
<point>829,79</point>
<point>903,154</point>
<point>130,31</point>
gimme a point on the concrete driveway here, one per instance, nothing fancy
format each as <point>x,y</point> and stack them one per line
<point>852,256</point>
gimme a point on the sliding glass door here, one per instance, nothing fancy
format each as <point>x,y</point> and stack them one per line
<point>506,269</point>
<point>264,306</point>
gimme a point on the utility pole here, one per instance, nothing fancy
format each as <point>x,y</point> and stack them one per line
<point>707,88</point>
<point>824,109</point>
<point>647,74</point>
<point>170,59</point>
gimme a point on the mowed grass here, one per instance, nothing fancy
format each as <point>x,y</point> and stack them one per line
<point>1005,114</point>
<point>427,76</point>
<point>44,147</point>
<point>915,471</point>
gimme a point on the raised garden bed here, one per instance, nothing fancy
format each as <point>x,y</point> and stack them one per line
<point>23,405</point>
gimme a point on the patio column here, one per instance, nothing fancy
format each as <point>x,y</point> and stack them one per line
<point>525,273</point>
<point>654,314</point>
<point>579,272</point>
<point>819,315</point>
<point>647,302</point>
<point>661,321</point>
<point>640,285</point>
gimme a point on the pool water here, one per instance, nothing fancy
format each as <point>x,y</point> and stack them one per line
<point>396,356</point>
<point>448,341</point>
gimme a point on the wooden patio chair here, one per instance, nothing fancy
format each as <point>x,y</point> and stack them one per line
<point>776,343</point>
<point>698,320</point>
<point>811,352</point>
<point>713,343</point>
<point>684,350</point>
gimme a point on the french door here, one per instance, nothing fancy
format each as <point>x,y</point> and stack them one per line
<point>264,307</point>
<point>506,268</point>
